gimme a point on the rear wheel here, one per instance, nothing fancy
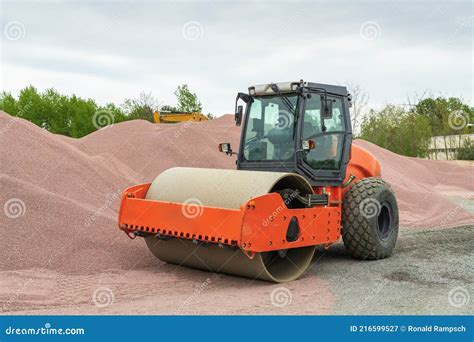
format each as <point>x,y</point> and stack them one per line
<point>370,219</point>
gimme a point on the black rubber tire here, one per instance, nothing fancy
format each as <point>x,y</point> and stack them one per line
<point>370,219</point>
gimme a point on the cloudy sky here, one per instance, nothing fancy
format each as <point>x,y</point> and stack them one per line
<point>113,50</point>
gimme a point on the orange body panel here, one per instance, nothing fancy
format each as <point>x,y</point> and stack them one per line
<point>362,164</point>
<point>175,219</point>
<point>260,224</point>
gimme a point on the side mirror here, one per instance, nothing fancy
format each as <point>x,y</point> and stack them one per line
<point>225,148</point>
<point>238,115</point>
<point>326,112</point>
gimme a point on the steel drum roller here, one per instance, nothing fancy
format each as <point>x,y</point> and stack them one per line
<point>227,189</point>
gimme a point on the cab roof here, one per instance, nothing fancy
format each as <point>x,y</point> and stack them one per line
<point>290,87</point>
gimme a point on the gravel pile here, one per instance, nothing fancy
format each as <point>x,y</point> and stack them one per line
<point>60,196</point>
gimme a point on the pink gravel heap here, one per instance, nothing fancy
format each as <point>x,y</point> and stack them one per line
<point>60,196</point>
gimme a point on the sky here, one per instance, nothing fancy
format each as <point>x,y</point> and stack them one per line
<point>112,50</point>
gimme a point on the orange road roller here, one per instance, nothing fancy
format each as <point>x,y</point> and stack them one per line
<point>299,183</point>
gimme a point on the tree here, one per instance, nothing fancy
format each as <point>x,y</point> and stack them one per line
<point>441,112</point>
<point>187,101</point>
<point>466,152</point>
<point>399,131</point>
<point>360,98</point>
<point>168,108</point>
<point>447,116</point>
<point>8,103</point>
<point>141,107</point>
<point>81,116</point>
<point>76,117</point>
<point>61,114</point>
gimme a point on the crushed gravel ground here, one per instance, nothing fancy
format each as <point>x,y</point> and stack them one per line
<point>430,273</point>
<point>62,253</point>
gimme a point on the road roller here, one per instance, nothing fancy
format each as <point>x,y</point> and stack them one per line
<point>299,183</point>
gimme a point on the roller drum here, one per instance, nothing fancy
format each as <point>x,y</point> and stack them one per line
<point>227,189</point>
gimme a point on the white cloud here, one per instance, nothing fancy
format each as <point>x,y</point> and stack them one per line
<point>111,51</point>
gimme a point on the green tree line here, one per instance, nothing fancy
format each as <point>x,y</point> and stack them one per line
<point>403,131</point>
<point>409,131</point>
<point>76,117</point>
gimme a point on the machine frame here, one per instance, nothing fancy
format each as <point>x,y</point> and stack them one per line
<point>271,231</point>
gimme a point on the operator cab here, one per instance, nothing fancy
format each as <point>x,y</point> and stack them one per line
<point>295,127</point>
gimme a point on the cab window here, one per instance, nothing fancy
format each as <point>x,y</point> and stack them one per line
<point>328,134</point>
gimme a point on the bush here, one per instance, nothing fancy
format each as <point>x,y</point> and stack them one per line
<point>399,131</point>
<point>76,117</point>
<point>466,152</point>
<point>60,114</point>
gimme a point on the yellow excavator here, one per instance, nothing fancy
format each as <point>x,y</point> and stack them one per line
<point>174,117</point>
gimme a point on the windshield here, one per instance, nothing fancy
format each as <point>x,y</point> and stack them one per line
<point>269,133</point>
